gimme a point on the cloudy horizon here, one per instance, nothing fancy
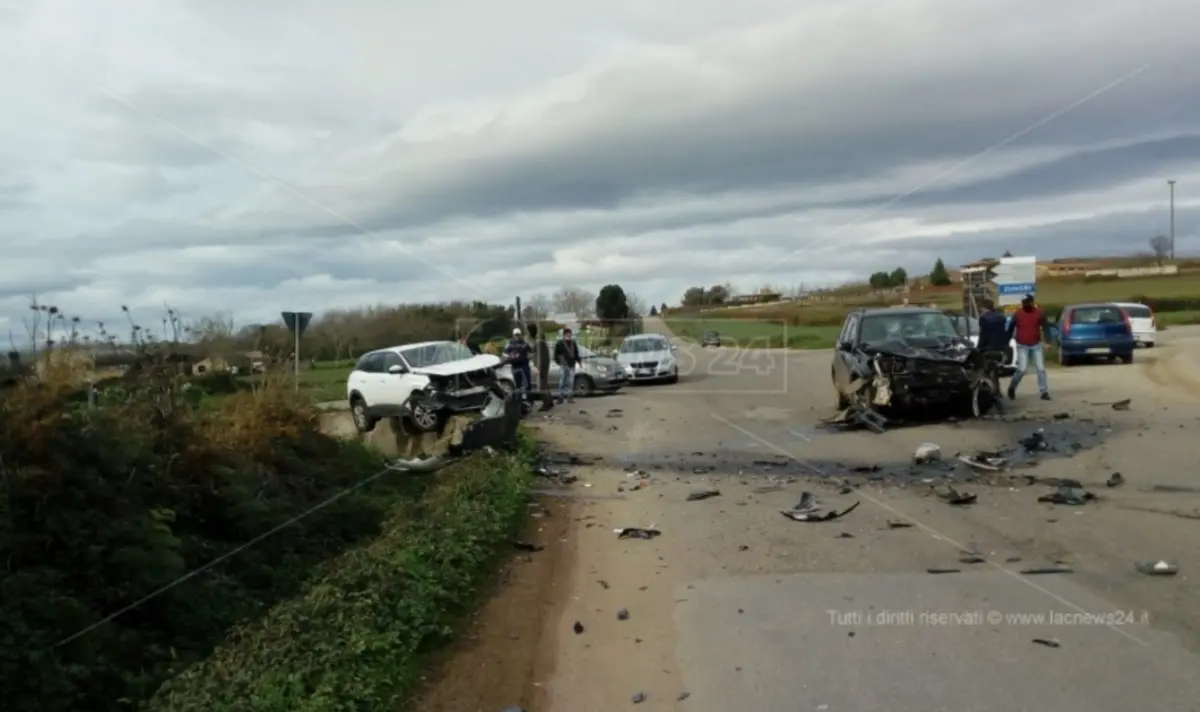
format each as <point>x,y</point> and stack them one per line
<point>310,156</point>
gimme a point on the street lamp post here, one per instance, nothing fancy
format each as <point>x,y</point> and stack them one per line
<point>1171,185</point>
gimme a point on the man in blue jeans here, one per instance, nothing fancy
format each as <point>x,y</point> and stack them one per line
<point>566,355</point>
<point>1028,326</point>
<point>518,352</point>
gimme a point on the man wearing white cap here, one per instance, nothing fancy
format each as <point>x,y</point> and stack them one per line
<point>518,353</point>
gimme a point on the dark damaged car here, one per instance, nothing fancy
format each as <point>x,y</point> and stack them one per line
<point>895,361</point>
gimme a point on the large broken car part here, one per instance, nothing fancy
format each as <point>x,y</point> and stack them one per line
<point>897,378</point>
<point>497,423</point>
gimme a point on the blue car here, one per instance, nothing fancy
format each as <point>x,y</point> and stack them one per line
<point>1088,331</point>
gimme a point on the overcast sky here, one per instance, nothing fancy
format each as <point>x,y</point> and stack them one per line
<point>268,155</point>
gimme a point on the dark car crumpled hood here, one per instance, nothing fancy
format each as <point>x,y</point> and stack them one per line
<point>954,353</point>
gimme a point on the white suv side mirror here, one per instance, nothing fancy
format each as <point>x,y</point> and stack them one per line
<point>397,369</point>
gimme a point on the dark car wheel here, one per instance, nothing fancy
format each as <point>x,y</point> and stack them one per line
<point>363,422</point>
<point>584,386</point>
<point>1127,358</point>
<point>1063,359</point>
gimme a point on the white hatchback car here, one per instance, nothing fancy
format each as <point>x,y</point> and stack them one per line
<point>421,384</point>
<point>1141,322</point>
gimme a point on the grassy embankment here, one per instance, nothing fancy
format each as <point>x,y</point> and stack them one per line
<point>1176,301</point>
<point>227,548</point>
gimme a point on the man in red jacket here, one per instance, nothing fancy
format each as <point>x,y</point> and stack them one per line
<point>1028,326</point>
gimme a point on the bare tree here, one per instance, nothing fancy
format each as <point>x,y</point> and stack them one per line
<point>537,307</point>
<point>637,305</point>
<point>1161,245</point>
<point>574,300</point>
<point>215,334</point>
<point>336,331</point>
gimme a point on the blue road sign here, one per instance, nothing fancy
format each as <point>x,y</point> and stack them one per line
<point>1023,288</point>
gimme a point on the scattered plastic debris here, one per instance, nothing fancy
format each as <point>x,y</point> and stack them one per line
<point>698,495</point>
<point>1116,479</point>
<point>526,546</point>
<point>814,515</point>
<point>1068,494</point>
<point>926,453</point>
<point>898,524</point>
<point>578,627</point>
<point>1035,441</point>
<point>623,614</point>
<point>972,559</point>
<point>1048,642</point>
<point>638,698</point>
<point>943,571</point>
<point>637,533</point>
<point>1122,404</point>
<point>956,498</point>
<point>683,696</point>
<point>987,461</point>
<point>1157,568</point>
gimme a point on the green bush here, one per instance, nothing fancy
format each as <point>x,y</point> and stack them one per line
<point>356,638</point>
<point>107,509</point>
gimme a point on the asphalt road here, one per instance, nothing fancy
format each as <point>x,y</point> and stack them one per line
<point>735,606</point>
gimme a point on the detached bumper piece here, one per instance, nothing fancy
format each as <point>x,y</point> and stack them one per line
<point>496,427</point>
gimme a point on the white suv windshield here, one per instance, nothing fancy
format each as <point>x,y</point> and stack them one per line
<point>642,346</point>
<point>435,354</point>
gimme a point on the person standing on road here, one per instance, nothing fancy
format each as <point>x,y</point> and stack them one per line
<point>993,339</point>
<point>566,355</point>
<point>542,362</point>
<point>1028,326</point>
<point>517,351</point>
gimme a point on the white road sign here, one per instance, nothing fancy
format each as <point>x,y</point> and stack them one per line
<point>1014,277</point>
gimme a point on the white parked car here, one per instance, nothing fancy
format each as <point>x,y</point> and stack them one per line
<point>1141,322</point>
<point>648,357</point>
<point>421,384</point>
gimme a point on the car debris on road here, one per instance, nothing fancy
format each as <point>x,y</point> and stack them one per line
<point>927,452</point>
<point>1157,568</point>
<point>808,510</point>
<point>637,533</point>
<point>1071,493</point>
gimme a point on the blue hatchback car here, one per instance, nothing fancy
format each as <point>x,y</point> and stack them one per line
<point>1088,331</point>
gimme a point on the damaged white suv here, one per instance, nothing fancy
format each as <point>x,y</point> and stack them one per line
<point>421,385</point>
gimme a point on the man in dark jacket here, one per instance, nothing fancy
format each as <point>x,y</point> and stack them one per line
<point>993,333</point>
<point>566,355</point>
<point>518,352</point>
<point>542,363</point>
<point>993,338</point>
<point>1028,327</point>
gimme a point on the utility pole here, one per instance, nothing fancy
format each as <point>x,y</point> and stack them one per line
<point>1171,186</point>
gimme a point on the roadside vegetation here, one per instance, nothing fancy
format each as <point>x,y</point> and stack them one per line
<point>154,534</point>
<point>816,324</point>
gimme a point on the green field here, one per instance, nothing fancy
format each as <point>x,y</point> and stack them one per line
<point>756,334</point>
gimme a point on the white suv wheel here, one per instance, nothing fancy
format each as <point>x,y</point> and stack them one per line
<point>424,417</point>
